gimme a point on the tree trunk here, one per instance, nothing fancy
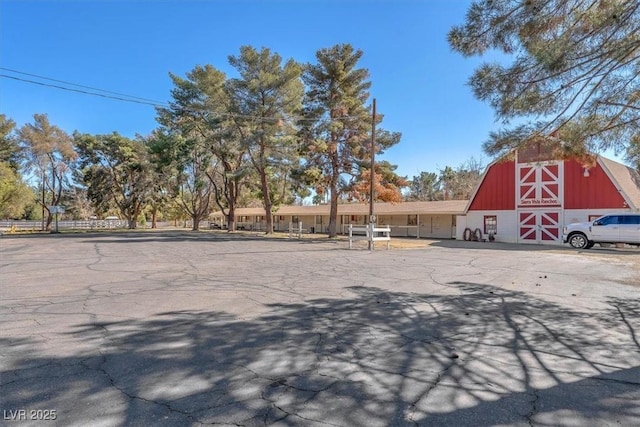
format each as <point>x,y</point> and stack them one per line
<point>154,219</point>
<point>47,226</point>
<point>231,217</point>
<point>333,213</point>
<point>196,222</point>
<point>267,201</point>
<point>333,194</point>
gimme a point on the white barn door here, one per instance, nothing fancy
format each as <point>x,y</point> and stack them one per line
<point>538,226</point>
<point>539,196</point>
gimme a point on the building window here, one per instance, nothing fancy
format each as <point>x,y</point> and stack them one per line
<point>295,219</point>
<point>412,219</point>
<point>259,218</point>
<point>594,217</point>
<point>490,224</point>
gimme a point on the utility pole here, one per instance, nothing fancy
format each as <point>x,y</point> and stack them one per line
<point>42,199</point>
<point>372,218</point>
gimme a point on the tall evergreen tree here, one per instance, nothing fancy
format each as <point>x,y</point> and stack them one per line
<point>575,72</point>
<point>199,111</point>
<point>266,99</point>
<point>337,126</point>
<point>424,187</point>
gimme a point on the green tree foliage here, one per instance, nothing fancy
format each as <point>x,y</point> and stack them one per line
<point>117,172</point>
<point>336,132</point>
<point>15,195</point>
<point>199,111</point>
<point>9,147</point>
<point>266,98</point>
<point>633,155</point>
<point>49,157</point>
<point>183,164</point>
<point>447,179</point>
<point>424,187</point>
<point>575,70</point>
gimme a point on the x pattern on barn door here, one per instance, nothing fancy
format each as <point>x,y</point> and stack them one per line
<point>539,226</point>
<point>539,202</point>
<point>539,184</point>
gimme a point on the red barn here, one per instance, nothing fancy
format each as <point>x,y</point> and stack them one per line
<point>528,196</point>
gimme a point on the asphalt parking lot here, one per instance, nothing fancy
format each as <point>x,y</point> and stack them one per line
<point>182,328</point>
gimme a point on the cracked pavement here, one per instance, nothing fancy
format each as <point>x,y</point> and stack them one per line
<point>187,328</point>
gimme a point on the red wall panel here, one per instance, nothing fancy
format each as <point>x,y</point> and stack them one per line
<point>498,190</point>
<point>595,191</point>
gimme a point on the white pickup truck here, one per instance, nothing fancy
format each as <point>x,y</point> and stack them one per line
<point>612,228</point>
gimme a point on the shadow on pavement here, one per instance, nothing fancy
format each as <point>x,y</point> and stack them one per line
<point>597,249</point>
<point>484,357</point>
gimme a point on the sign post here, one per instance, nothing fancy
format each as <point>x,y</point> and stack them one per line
<point>56,210</point>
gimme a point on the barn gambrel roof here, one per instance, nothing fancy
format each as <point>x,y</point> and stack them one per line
<point>625,178</point>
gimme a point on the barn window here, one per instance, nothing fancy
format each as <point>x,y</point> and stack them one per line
<point>490,224</point>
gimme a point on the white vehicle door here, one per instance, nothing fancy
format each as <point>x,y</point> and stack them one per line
<point>606,229</point>
<point>630,229</point>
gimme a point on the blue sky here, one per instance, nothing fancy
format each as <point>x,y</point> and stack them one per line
<point>129,47</point>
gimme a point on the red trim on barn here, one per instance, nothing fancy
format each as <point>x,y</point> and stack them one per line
<point>595,191</point>
<point>498,188</point>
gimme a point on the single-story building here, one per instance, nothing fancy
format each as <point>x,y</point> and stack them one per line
<point>528,196</point>
<point>525,197</point>
<point>409,219</point>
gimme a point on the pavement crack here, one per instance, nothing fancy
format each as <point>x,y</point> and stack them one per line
<point>534,406</point>
<point>131,396</point>
<point>413,405</point>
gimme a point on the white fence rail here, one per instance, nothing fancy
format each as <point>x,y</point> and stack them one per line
<point>296,230</point>
<point>371,234</point>
<point>77,225</point>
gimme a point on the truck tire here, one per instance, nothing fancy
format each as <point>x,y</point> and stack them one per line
<point>578,241</point>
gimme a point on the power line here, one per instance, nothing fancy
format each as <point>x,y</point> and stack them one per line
<point>78,85</point>
<point>145,101</point>
<point>119,98</point>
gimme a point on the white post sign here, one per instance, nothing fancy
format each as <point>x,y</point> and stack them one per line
<point>56,209</point>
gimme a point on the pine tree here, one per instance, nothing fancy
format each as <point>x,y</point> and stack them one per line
<point>266,98</point>
<point>336,130</point>
<point>199,113</point>
<point>575,72</point>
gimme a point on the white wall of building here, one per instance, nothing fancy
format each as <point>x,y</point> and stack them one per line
<point>436,226</point>
<point>506,222</point>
